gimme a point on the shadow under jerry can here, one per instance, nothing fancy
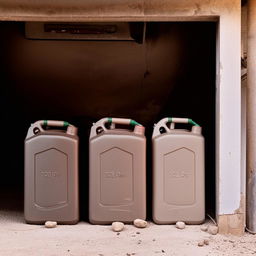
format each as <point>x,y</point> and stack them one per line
<point>51,173</point>
<point>178,173</point>
<point>117,183</point>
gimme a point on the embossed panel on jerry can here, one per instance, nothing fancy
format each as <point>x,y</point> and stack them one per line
<point>51,168</point>
<point>116,177</point>
<point>179,174</point>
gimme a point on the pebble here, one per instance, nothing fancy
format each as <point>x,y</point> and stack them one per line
<point>140,223</point>
<point>213,230</point>
<point>117,226</point>
<point>204,228</point>
<point>201,243</point>
<point>180,225</point>
<point>206,241</point>
<point>50,224</point>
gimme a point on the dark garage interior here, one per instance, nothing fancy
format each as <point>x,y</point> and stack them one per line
<point>169,71</point>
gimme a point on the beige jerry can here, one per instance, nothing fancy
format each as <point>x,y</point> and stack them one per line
<point>51,173</point>
<point>178,173</point>
<point>117,171</point>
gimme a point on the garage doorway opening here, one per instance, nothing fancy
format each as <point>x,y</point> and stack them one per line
<point>162,69</point>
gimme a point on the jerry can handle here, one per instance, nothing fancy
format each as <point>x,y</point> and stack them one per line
<point>54,123</point>
<point>196,128</point>
<point>38,127</point>
<point>99,126</point>
<point>182,121</point>
<point>124,121</point>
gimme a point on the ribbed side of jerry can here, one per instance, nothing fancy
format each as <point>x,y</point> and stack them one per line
<point>117,171</point>
<point>178,173</point>
<point>51,173</point>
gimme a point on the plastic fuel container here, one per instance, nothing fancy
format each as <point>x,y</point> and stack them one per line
<point>178,172</point>
<point>117,171</point>
<point>51,173</point>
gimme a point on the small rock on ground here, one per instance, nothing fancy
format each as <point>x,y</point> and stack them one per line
<point>50,224</point>
<point>140,223</point>
<point>204,228</point>
<point>201,243</point>
<point>206,241</point>
<point>180,225</point>
<point>117,226</point>
<point>213,230</point>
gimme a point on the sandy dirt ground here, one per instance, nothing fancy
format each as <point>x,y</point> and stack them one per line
<point>18,238</point>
